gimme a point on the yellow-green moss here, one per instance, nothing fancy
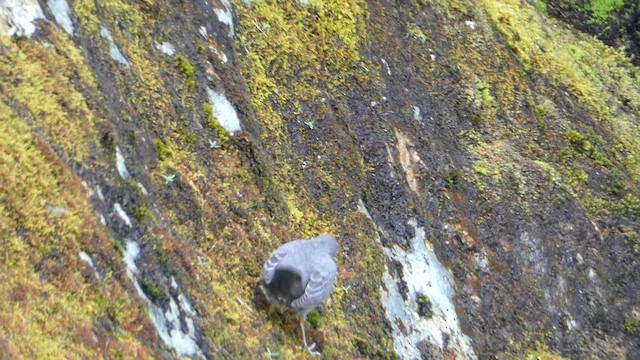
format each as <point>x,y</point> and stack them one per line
<point>186,70</point>
<point>306,50</point>
<point>601,78</point>
<point>632,326</point>
<point>415,31</point>
<point>86,13</point>
<point>541,352</point>
<point>37,79</point>
<point>52,311</point>
<point>129,16</point>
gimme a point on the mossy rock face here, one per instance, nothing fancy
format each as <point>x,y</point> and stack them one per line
<point>612,21</point>
<point>509,137</point>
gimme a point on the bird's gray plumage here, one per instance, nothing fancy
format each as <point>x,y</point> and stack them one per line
<point>300,275</point>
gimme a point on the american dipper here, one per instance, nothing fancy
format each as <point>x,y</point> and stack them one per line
<point>300,275</point>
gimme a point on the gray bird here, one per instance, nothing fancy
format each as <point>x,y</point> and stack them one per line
<point>300,275</point>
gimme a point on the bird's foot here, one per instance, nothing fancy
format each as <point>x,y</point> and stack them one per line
<point>310,348</point>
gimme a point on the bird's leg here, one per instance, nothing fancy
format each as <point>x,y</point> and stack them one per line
<point>304,340</point>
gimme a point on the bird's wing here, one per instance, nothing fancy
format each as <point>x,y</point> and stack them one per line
<point>319,286</point>
<point>269,268</point>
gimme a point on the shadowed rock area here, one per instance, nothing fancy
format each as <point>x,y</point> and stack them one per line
<point>477,161</point>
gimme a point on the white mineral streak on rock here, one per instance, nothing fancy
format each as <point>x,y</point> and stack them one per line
<point>113,49</point>
<point>167,323</point>
<point>62,14</point>
<point>167,48</point>
<point>121,214</point>
<point>416,113</point>
<point>423,274</point>
<point>87,258</point>
<point>224,112</point>
<point>225,16</point>
<point>121,166</point>
<point>386,65</point>
<point>17,17</point>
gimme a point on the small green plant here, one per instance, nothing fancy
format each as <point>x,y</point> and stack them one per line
<point>452,178</point>
<point>262,26</point>
<point>575,177</point>
<point>213,144</point>
<point>540,112</point>
<point>310,124</point>
<point>630,204</point>
<point>631,238</point>
<point>583,145</point>
<point>271,355</point>
<point>168,178</point>
<point>116,244</point>
<point>346,289</point>
<point>201,262</point>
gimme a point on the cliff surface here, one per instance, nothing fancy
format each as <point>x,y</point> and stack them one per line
<point>478,162</point>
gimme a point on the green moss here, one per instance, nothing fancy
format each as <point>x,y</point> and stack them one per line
<point>117,246</point>
<point>600,78</point>
<point>37,78</point>
<point>629,205</point>
<point>425,307</point>
<point>322,38</point>
<point>127,15</point>
<point>541,6</point>
<point>453,178</point>
<point>482,171</point>
<point>163,151</point>
<point>212,124</point>
<point>415,31</point>
<point>632,326</point>
<point>152,290</point>
<point>314,319</point>
<point>574,176</point>
<point>186,70</point>
<point>631,238</point>
<point>486,103</point>
<point>29,234</point>
<point>582,145</point>
<point>543,355</point>
<point>86,13</point>
<point>601,10</point>
<point>142,213</point>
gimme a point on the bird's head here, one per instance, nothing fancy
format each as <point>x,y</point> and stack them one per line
<point>329,243</point>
